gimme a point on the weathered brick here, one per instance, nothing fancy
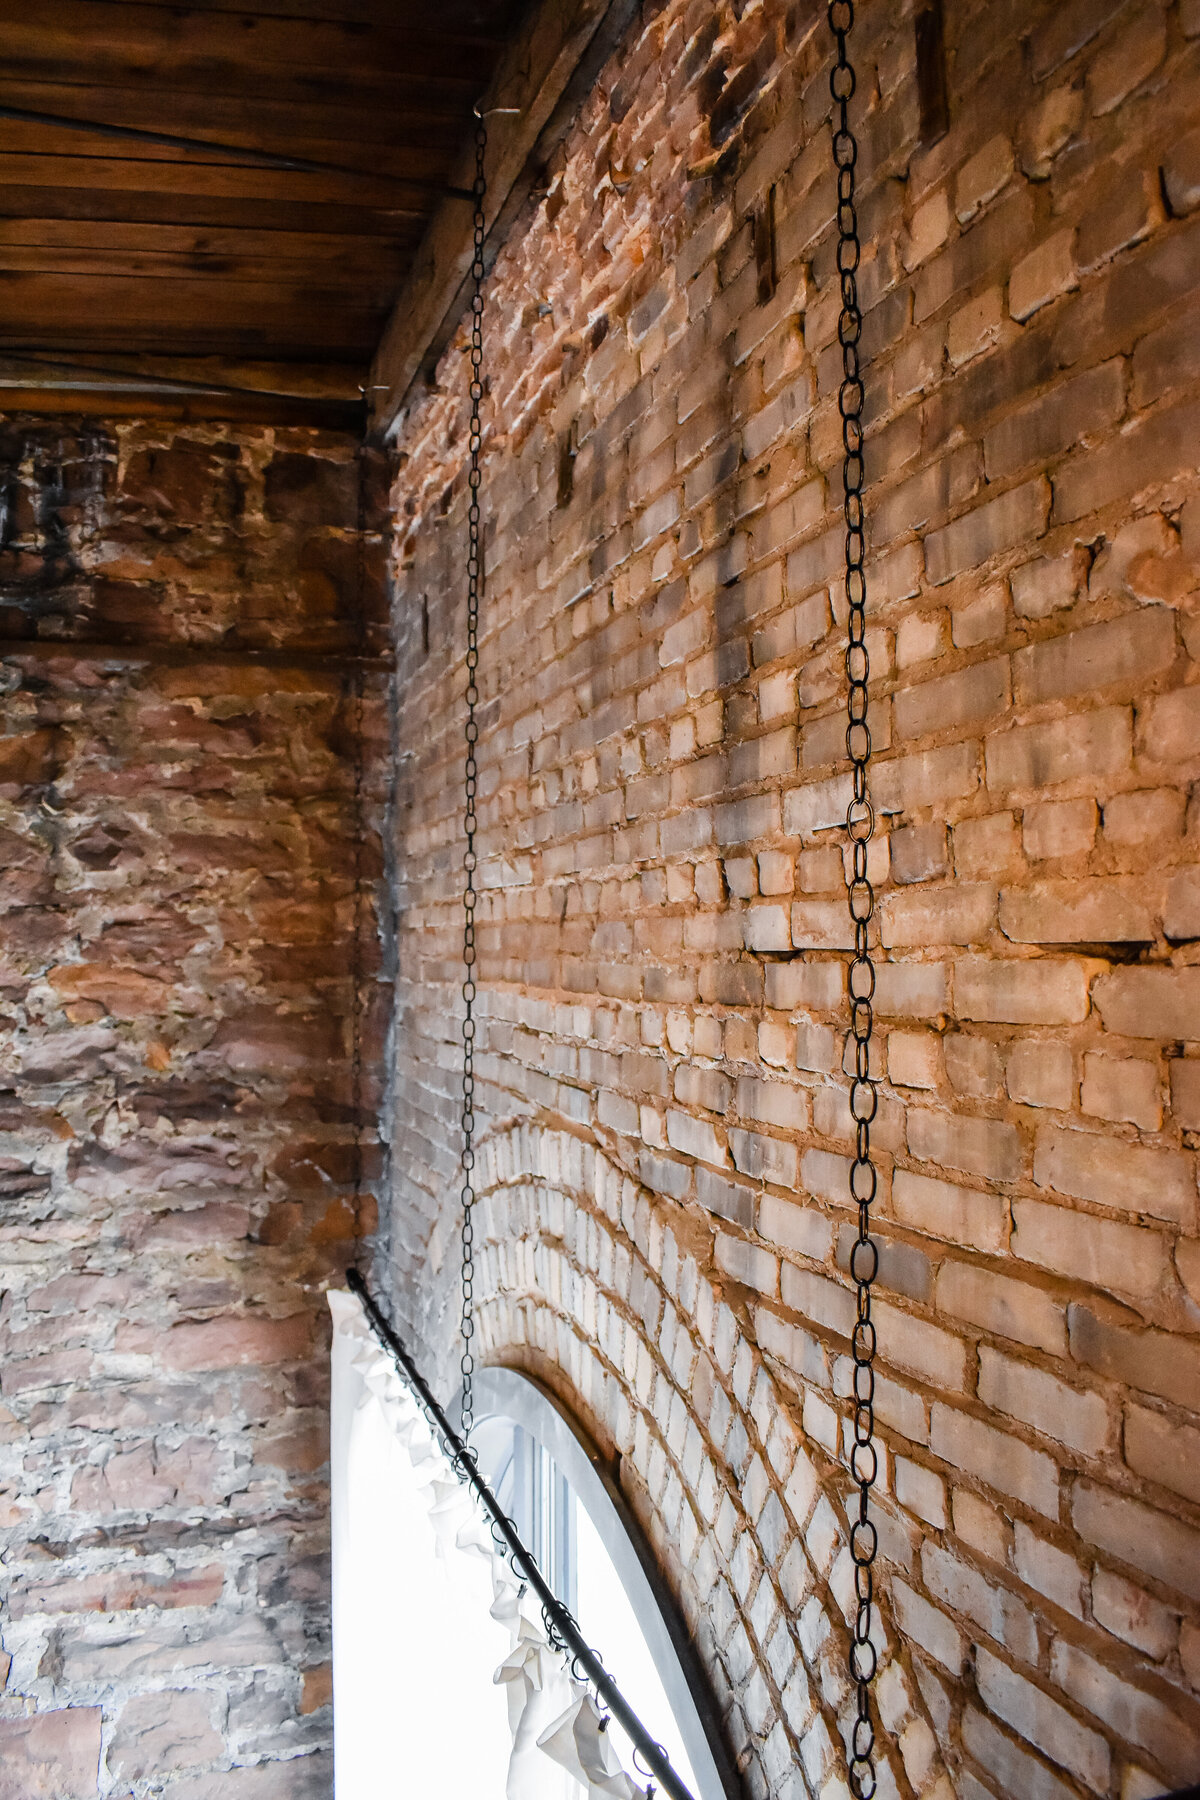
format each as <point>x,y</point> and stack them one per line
<point>955,1214</point>
<point>1059,828</point>
<point>1154,1361</point>
<point>52,1755</point>
<point>1126,62</point>
<point>1002,1461</point>
<point>160,1731</point>
<point>1122,652</point>
<point>1012,1768</point>
<point>982,177</point>
<point>1047,584</point>
<point>1055,421</point>
<point>1169,727</point>
<point>1001,1303</point>
<point>929,1627</point>
<point>1040,1073</point>
<point>987,1147</point>
<point>1129,1612</point>
<point>1041,1400</point>
<point>1163,1450</point>
<point>1077,912</point>
<point>696,1138</point>
<point>960,914</point>
<point>1185,1092</point>
<point>966,1592</point>
<point>1150,1003</point>
<point>232,1341</point>
<point>1049,1570</point>
<point>1151,1542</point>
<point>1152,450</point>
<point>1016,517</point>
<point>919,1490</point>
<point>910,990</point>
<point>926,778</point>
<point>1129,1177</point>
<point>1181,174</point>
<point>1091,745</point>
<point>1043,1722</point>
<point>1040,991</point>
<point>1124,1259</point>
<point>927,1351</point>
<point>972,696</point>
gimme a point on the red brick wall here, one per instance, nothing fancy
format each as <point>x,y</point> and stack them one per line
<point>662,948</point>
<point>180,613</point>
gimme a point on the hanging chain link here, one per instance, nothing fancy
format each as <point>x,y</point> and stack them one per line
<point>471,791</point>
<point>860,827</point>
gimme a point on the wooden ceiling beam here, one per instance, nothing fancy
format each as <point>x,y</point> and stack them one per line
<point>195,48</point>
<point>269,377</point>
<point>325,397</point>
<point>215,212</point>
<point>473,19</point>
<point>220,180</point>
<point>117,401</point>
<point>543,74</point>
<point>331,130</point>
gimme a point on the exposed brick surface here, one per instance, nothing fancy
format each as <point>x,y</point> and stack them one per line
<point>178,923</point>
<point>662,939</point>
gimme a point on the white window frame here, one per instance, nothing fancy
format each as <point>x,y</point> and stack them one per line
<point>513,1396</point>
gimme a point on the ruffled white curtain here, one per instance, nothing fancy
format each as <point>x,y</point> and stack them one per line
<point>444,1681</point>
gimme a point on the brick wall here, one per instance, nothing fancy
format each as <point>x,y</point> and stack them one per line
<point>179,609</point>
<point>664,923</point>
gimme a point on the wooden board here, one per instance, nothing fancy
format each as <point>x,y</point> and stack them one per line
<point>113,243</point>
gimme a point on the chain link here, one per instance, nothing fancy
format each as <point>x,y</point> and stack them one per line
<point>860,827</point>
<point>471,790</point>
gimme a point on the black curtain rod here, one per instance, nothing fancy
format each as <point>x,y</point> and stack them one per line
<point>557,1616</point>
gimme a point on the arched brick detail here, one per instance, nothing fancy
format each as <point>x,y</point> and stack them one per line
<point>586,1279</point>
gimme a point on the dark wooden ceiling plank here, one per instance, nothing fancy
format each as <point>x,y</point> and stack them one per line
<point>309,128</point>
<point>48,295</point>
<point>120,403</point>
<point>330,335</point>
<point>97,35</point>
<point>19,201</point>
<point>219,180</point>
<point>374,286</point>
<point>314,380</point>
<point>242,85</point>
<point>107,237</point>
<point>299,340</point>
<point>42,136</point>
<point>484,21</point>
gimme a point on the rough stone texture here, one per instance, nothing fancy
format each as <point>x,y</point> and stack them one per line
<point>663,920</point>
<point>180,924</point>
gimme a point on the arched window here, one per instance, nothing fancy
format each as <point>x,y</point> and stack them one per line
<point>575,1519</point>
<point>420,1629</point>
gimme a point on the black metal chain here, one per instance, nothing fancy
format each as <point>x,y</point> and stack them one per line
<point>860,826</point>
<point>471,789</point>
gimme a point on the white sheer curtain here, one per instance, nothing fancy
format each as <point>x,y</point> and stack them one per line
<point>444,1682</point>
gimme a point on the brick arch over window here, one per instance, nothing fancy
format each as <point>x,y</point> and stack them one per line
<point>585,1279</point>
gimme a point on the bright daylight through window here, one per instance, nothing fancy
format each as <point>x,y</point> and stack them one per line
<point>428,1686</point>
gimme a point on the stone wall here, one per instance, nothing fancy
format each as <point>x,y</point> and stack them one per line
<point>666,1222</point>
<point>183,614</point>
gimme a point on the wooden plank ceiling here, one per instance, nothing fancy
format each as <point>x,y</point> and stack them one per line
<point>207,258</point>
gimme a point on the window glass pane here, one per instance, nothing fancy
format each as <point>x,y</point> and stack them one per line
<point>571,1554</point>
